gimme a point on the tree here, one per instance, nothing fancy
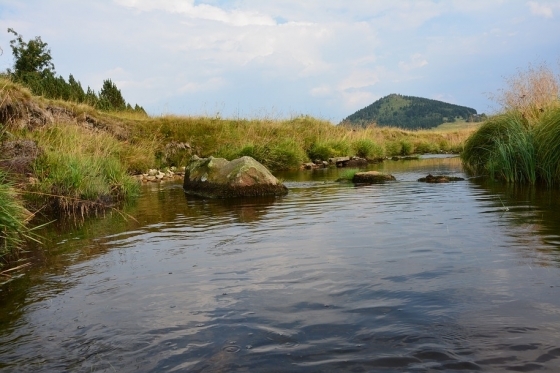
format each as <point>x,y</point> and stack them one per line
<point>110,97</point>
<point>30,57</point>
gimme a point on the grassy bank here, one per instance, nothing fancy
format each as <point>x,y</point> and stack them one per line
<point>285,144</point>
<point>521,145</point>
<point>69,159</point>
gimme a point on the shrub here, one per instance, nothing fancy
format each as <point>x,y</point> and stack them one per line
<point>424,147</point>
<point>406,147</point>
<point>368,149</point>
<point>324,150</point>
<point>393,148</point>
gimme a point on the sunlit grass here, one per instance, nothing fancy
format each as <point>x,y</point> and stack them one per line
<point>81,170</point>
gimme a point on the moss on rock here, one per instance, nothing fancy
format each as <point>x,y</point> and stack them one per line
<point>219,178</point>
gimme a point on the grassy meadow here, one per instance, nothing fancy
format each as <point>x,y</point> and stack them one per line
<point>84,159</point>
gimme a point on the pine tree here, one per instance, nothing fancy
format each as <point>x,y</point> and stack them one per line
<point>110,97</point>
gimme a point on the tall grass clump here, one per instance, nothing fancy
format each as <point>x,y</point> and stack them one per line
<point>13,219</point>
<point>80,171</point>
<point>324,150</point>
<point>521,145</point>
<point>285,154</point>
<point>503,148</point>
<point>547,140</point>
<point>367,149</point>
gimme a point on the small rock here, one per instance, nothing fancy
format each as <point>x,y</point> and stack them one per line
<point>439,179</point>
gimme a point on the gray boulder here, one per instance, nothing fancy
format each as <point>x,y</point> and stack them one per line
<point>371,177</point>
<point>219,178</point>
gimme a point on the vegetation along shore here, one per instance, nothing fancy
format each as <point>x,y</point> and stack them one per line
<point>521,144</point>
<point>66,152</point>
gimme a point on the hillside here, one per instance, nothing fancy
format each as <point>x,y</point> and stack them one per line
<point>409,112</point>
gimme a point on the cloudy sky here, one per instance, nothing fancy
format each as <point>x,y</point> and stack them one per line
<point>272,58</point>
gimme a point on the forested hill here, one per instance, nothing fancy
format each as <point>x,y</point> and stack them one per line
<point>409,112</point>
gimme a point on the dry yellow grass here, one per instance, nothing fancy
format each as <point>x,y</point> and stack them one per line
<point>531,92</point>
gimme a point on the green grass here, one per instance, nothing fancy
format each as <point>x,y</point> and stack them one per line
<point>368,149</point>
<point>508,148</point>
<point>547,142</point>
<point>348,174</point>
<point>81,171</point>
<point>88,155</point>
<point>13,218</point>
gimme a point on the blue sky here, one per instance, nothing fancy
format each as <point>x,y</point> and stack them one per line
<point>268,58</point>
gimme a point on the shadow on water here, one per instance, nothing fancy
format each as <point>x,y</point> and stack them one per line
<point>403,276</point>
<point>533,211</point>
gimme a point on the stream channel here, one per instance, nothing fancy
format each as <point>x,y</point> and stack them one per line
<point>396,277</point>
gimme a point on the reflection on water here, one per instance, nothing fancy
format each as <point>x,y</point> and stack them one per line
<point>403,276</point>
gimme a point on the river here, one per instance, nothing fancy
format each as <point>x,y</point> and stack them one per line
<point>396,277</point>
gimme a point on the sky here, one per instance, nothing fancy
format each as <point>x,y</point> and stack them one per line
<point>280,59</point>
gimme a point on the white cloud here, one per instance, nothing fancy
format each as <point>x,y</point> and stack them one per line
<point>325,57</point>
<point>201,11</point>
<point>357,99</point>
<point>416,61</point>
<point>359,79</point>
<point>208,85</point>
<point>543,10</point>
<point>321,91</point>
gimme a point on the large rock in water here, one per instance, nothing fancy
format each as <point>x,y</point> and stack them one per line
<point>371,177</point>
<point>219,178</point>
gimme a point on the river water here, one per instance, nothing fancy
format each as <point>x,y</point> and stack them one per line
<point>399,277</point>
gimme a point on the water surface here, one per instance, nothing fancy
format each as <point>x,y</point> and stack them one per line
<point>403,276</point>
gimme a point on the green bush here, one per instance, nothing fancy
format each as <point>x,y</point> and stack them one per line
<point>393,148</point>
<point>406,147</point>
<point>368,149</point>
<point>424,147</point>
<point>328,149</point>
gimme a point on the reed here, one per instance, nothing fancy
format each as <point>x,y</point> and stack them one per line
<point>503,148</point>
<point>13,220</point>
<point>547,140</point>
<point>521,145</point>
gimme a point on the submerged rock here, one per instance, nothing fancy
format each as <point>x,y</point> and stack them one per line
<point>372,177</point>
<point>219,178</point>
<point>439,179</point>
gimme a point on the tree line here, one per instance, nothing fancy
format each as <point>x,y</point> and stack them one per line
<point>33,67</point>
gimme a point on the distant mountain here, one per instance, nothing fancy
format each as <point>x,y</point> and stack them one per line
<point>409,112</point>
